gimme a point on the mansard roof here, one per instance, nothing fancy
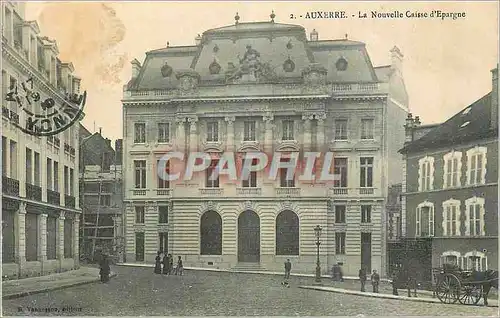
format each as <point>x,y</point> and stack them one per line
<point>278,45</point>
<point>471,123</point>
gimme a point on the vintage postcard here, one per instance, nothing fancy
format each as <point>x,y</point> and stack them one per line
<point>249,158</point>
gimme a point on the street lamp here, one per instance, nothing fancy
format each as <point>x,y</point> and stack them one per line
<point>317,231</point>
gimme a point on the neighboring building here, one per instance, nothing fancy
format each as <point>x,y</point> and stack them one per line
<point>40,204</point>
<point>101,192</point>
<point>263,86</point>
<point>451,187</point>
<point>393,208</point>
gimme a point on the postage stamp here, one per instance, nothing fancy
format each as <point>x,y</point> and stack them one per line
<point>250,158</point>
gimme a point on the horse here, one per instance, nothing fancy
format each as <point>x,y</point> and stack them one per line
<point>488,279</point>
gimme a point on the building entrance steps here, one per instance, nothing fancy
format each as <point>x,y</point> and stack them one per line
<point>247,267</point>
<point>27,286</point>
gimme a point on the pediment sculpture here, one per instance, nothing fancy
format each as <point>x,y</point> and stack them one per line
<point>250,68</point>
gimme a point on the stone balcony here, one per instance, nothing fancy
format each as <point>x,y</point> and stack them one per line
<point>33,192</point>
<point>287,192</point>
<point>249,191</point>
<point>69,201</point>
<point>164,192</point>
<point>212,192</point>
<point>10,186</point>
<point>351,191</point>
<point>53,197</point>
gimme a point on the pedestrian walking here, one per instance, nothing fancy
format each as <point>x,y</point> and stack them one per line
<point>180,269</point>
<point>166,264</point>
<point>170,264</point>
<point>341,273</point>
<point>394,279</point>
<point>362,278</point>
<point>288,268</point>
<point>375,278</point>
<point>104,268</point>
<point>158,263</point>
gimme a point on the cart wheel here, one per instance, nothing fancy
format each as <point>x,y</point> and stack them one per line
<point>448,289</point>
<point>470,294</point>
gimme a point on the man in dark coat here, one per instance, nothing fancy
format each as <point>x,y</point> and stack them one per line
<point>362,278</point>
<point>288,269</point>
<point>166,264</point>
<point>375,278</point>
<point>105,269</point>
<point>394,282</point>
<point>158,263</point>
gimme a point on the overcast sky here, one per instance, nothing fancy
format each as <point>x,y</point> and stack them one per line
<point>446,64</point>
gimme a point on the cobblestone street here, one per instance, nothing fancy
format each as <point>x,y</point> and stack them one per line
<point>137,291</point>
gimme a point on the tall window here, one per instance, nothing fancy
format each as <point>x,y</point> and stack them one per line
<point>68,238</point>
<point>212,131</point>
<point>164,183</point>
<point>340,129</point>
<point>367,128</point>
<point>13,159</point>
<point>288,130</point>
<point>163,132</point>
<point>474,216</point>
<point>249,131</point>
<point>31,232</point>
<point>8,237</point>
<point>340,243</point>
<point>29,166</point>
<point>66,180</point>
<point>340,214</point>
<point>139,133</point>
<point>287,233</point>
<point>366,172</point>
<point>452,167</point>
<point>105,200</point>
<point>163,214</point>
<point>251,182</point>
<point>424,219</point>
<point>366,214</point>
<point>451,218</point>
<point>36,169</point>
<point>163,238</point>
<point>56,176</point>
<point>284,181</point>
<point>51,237</point>
<point>476,165</point>
<point>139,246</point>
<point>211,233</point>
<point>212,169</point>
<point>71,181</point>
<point>49,174</point>
<point>139,214</point>
<point>475,261</point>
<point>340,170</point>
<point>140,174</point>
<point>426,174</point>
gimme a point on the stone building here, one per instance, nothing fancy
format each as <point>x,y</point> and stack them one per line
<point>101,195</point>
<point>40,204</point>
<point>263,87</point>
<point>450,202</point>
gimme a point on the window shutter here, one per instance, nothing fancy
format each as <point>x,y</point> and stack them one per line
<point>431,221</point>
<point>481,220</point>
<point>445,219</point>
<point>417,222</point>
<point>420,176</point>
<point>457,220</point>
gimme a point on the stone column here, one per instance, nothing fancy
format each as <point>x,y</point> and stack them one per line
<point>307,131</point>
<point>193,136</point>
<point>320,133</point>
<point>42,240</point>
<point>230,133</point>
<point>180,134</point>
<point>76,243</point>
<point>20,234</point>
<point>268,137</point>
<point>60,239</point>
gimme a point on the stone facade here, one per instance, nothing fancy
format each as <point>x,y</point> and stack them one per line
<point>34,193</point>
<point>254,107</point>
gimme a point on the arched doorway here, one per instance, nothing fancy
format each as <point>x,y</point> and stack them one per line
<point>248,237</point>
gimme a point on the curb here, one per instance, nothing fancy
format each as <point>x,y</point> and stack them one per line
<point>376,295</point>
<point>39,291</point>
<point>245,272</point>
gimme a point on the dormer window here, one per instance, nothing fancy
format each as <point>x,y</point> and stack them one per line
<point>341,64</point>
<point>214,68</point>
<point>289,65</point>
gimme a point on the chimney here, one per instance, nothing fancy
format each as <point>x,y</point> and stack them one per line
<point>314,35</point>
<point>409,127</point>
<point>197,40</point>
<point>136,67</point>
<point>100,131</point>
<point>118,151</point>
<point>494,99</point>
<point>396,59</point>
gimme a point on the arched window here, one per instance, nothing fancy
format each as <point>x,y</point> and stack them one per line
<point>475,260</point>
<point>211,233</point>
<point>287,233</point>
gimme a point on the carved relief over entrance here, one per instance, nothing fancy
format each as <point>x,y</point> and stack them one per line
<point>250,69</point>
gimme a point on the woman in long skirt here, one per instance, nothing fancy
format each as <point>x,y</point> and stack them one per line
<point>158,263</point>
<point>104,269</point>
<point>166,264</point>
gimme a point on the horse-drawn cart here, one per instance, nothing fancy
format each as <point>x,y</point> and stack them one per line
<point>466,287</point>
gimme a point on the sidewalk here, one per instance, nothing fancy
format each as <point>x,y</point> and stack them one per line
<point>492,302</point>
<point>33,285</point>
